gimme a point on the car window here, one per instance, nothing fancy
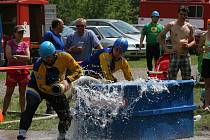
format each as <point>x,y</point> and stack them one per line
<point>109,32</point>
<point>93,23</point>
<point>94,30</point>
<point>138,27</point>
<point>125,27</point>
<point>103,24</point>
<point>67,31</point>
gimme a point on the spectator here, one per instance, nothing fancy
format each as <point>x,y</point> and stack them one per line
<point>151,31</point>
<point>55,38</point>
<point>17,54</point>
<point>5,38</point>
<point>182,38</point>
<point>81,43</point>
<point>107,61</point>
<point>47,71</point>
<point>204,47</point>
<point>54,34</point>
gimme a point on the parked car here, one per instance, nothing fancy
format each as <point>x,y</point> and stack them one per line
<point>66,31</point>
<point>138,26</point>
<point>107,36</point>
<point>123,27</point>
<point>126,29</point>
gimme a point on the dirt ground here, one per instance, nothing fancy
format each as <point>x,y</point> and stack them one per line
<point>32,135</point>
<point>137,73</point>
<point>39,135</point>
<point>52,135</point>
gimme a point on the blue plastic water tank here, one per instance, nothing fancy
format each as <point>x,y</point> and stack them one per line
<point>160,116</point>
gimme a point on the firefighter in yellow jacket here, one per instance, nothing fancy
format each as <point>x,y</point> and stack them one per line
<point>105,62</point>
<point>48,71</point>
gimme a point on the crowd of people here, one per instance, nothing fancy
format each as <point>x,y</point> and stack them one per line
<point>63,63</point>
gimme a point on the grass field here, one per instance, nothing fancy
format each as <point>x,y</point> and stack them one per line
<point>51,124</point>
<point>142,62</point>
<point>36,125</point>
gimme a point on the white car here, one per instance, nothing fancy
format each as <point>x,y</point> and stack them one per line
<point>107,36</point>
<point>138,26</point>
<point>126,29</point>
<point>66,31</point>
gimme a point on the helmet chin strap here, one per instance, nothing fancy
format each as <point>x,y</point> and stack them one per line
<point>113,57</point>
<point>51,62</point>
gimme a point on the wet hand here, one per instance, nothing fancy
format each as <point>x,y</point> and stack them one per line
<point>141,46</point>
<point>124,102</point>
<point>66,84</point>
<point>14,57</point>
<point>184,43</point>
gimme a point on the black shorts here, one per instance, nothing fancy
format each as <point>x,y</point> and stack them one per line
<point>153,51</point>
<point>205,72</point>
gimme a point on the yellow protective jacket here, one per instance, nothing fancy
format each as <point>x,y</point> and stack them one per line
<point>122,64</point>
<point>44,76</point>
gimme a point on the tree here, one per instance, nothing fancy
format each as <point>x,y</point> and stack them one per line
<point>69,10</point>
<point>134,13</point>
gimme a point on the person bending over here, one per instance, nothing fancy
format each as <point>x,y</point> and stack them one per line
<point>105,62</point>
<point>48,70</point>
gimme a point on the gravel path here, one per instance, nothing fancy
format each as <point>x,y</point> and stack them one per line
<point>39,135</point>
<point>137,73</point>
<point>142,73</point>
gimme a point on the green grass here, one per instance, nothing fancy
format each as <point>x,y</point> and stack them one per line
<point>51,124</point>
<point>204,123</point>
<point>2,75</point>
<point>194,59</point>
<point>141,63</point>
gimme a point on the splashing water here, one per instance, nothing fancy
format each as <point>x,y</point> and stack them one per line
<point>97,104</point>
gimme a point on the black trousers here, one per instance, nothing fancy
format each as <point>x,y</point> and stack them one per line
<point>152,51</point>
<point>59,103</point>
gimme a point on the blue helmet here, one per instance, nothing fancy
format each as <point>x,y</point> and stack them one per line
<point>155,14</point>
<point>46,49</point>
<point>122,43</point>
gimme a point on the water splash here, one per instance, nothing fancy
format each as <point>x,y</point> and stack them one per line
<point>97,103</point>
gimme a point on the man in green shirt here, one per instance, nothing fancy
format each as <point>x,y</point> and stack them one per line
<point>151,31</point>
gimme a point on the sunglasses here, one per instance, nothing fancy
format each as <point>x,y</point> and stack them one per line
<point>20,32</point>
<point>80,25</point>
<point>154,17</point>
<point>183,14</point>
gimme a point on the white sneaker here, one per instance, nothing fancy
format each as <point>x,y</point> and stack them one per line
<point>62,137</point>
<point>197,118</point>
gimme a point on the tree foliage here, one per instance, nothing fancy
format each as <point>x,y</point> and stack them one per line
<point>70,10</point>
